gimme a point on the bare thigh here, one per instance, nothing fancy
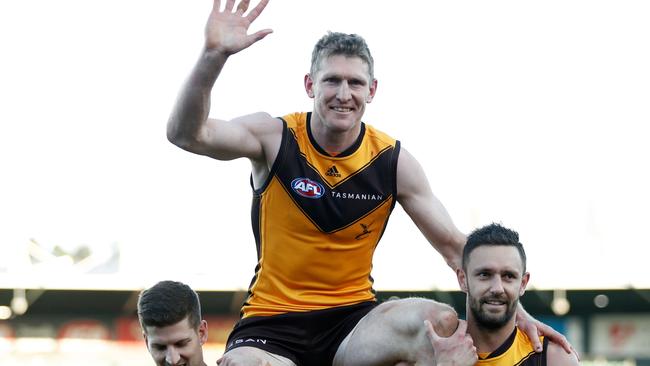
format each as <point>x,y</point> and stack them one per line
<point>251,356</point>
<point>393,334</point>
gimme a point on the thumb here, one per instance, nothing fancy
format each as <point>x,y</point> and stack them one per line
<point>462,328</point>
<point>257,36</point>
<point>431,333</point>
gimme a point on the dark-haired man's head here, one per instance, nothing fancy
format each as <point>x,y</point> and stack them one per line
<point>493,276</point>
<point>170,316</point>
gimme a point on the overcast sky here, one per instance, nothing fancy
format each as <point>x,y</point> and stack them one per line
<point>532,114</point>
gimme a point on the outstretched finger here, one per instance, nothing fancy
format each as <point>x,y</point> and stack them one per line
<point>243,6</point>
<point>216,5</point>
<point>229,5</point>
<point>257,10</point>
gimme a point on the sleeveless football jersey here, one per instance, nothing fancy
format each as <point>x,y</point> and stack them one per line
<point>516,350</point>
<point>317,220</point>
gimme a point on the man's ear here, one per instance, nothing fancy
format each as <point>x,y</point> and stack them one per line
<point>309,85</point>
<point>462,279</point>
<point>146,340</point>
<point>203,332</point>
<point>524,283</point>
<point>373,90</point>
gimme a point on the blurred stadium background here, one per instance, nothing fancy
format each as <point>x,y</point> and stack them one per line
<point>93,319</point>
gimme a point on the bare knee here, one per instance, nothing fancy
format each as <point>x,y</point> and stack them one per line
<point>444,320</point>
<point>442,316</point>
<point>408,315</point>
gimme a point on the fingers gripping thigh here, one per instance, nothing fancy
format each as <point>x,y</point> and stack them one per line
<point>394,332</point>
<point>251,356</point>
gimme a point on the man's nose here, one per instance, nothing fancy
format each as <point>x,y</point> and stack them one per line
<point>172,356</point>
<point>496,286</point>
<point>343,92</point>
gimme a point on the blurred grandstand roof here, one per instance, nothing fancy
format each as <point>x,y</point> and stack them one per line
<point>98,302</point>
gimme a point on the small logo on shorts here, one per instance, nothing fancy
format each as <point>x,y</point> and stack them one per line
<point>307,188</point>
<point>239,341</point>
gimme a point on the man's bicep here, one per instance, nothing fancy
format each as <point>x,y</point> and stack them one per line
<point>242,137</point>
<point>416,197</point>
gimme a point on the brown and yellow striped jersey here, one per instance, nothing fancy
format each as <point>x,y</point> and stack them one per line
<point>317,220</point>
<point>516,350</point>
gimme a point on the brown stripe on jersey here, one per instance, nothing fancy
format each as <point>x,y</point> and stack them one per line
<point>369,187</point>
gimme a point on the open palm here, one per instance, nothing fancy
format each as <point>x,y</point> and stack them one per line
<point>227,30</point>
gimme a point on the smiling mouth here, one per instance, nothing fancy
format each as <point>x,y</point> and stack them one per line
<point>342,109</point>
<point>494,302</point>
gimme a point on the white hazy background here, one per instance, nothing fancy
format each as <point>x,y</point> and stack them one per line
<point>532,114</point>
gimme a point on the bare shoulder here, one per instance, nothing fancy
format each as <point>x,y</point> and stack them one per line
<point>260,123</point>
<point>405,159</point>
<point>411,178</point>
<point>557,356</point>
<point>255,136</point>
<point>267,130</point>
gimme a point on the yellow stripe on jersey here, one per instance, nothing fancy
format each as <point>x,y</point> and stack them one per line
<point>519,352</point>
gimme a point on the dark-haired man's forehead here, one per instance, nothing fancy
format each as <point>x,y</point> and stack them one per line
<point>170,334</point>
<point>181,324</point>
<point>495,256</point>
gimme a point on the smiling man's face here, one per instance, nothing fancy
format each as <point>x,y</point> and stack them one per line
<point>178,344</point>
<point>494,280</point>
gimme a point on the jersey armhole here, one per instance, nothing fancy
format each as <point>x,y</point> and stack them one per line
<point>542,359</point>
<point>393,169</point>
<point>279,158</point>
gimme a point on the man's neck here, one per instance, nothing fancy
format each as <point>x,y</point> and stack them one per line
<point>334,142</point>
<point>488,340</point>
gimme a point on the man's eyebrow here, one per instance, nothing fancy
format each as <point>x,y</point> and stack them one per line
<point>483,269</point>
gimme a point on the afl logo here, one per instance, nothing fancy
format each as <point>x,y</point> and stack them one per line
<point>307,188</point>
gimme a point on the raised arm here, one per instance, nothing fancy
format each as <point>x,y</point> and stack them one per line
<point>189,127</point>
<point>427,212</point>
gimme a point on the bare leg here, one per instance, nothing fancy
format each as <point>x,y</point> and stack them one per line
<point>251,356</point>
<point>393,334</point>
